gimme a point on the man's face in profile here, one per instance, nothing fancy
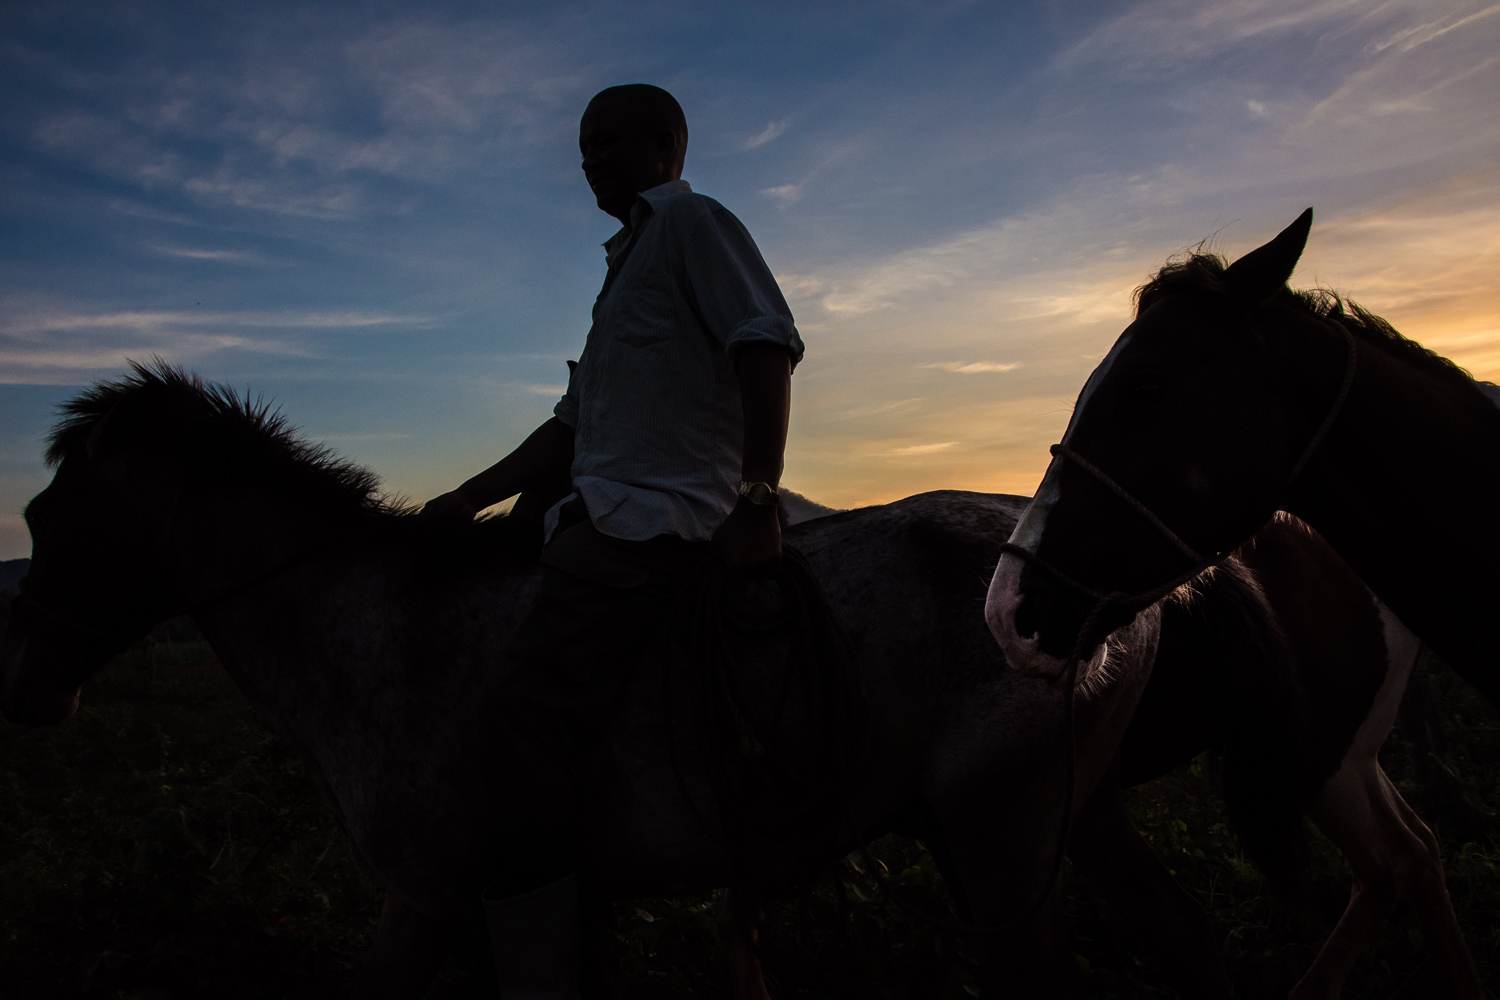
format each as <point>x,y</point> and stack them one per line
<point>620,157</point>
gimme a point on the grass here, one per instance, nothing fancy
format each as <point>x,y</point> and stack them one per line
<point>164,843</point>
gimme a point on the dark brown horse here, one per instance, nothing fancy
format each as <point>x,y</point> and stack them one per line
<point>1229,398</point>
<point>1202,412</point>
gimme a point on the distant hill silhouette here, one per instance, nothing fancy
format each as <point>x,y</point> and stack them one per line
<point>11,571</point>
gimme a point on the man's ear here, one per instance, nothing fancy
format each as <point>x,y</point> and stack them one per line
<point>1264,271</point>
<point>668,147</point>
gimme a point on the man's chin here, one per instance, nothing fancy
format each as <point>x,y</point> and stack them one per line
<point>615,206</point>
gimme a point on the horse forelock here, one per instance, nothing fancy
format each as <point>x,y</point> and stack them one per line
<point>1202,273</point>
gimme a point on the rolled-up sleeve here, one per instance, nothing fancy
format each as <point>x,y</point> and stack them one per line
<point>735,294</point>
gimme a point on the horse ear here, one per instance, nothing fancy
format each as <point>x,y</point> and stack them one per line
<point>1264,271</point>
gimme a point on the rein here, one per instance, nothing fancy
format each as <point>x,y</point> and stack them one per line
<point>1104,601</point>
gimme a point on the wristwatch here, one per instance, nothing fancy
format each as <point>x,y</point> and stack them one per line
<point>760,494</point>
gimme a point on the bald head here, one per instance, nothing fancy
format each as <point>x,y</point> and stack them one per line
<point>651,108</point>
<point>632,137</point>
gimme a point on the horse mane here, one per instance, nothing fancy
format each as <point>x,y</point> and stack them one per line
<point>158,396</point>
<point>160,405</point>
<point>1197,271</point>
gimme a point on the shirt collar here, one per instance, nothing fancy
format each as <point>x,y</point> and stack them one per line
<point>645,204</point>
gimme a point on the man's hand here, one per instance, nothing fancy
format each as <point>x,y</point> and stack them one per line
<point>750,539</point>
<point>449,506</point>
<point>542,458</point>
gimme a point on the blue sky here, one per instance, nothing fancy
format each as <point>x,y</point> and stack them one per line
<point>373,213</point>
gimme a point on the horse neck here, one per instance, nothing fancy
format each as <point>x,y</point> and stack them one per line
<point>1405,487</point>
<point>304,606</point>
<point>259,576</point>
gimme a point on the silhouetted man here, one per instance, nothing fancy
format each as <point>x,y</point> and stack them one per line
<point>672,433</point>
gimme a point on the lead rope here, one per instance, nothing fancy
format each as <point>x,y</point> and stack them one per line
<point>1060,848</point>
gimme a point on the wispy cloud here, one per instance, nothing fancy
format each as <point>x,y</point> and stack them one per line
<point>220,256</point>
<point>974,367</point>
<point>302,129</point>
<point>766,134</point>
<point>1420,34</point>
<point>51,345</point>
<point>359,438</point>
<point>882,409</point>
<point>25,324</point>
<point>911,450</point>
<point>1159,37</point>
<point>784,193</point>
<point>22,362</point>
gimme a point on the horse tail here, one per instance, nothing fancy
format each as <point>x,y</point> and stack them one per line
<point>1258,713</point>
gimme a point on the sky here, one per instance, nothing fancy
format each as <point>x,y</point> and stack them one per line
<point>373,214</point>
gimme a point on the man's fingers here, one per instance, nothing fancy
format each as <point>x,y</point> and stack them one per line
<point>447,507</point>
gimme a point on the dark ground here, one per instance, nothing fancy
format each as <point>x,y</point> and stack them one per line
<point>164,844</point>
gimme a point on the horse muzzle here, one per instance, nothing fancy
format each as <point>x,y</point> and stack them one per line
<point>38,686</point>
<point>1004,607</point>
<point>1038,620</point>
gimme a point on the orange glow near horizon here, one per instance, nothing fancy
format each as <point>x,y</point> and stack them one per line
<point>878,422</point>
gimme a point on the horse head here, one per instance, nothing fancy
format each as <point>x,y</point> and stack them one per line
<point>1178,446</point>
<point>100,535</point>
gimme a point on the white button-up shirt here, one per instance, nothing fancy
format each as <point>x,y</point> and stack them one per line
<point>654,402</point>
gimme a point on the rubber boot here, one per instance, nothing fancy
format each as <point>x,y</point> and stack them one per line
<point>535,941</point>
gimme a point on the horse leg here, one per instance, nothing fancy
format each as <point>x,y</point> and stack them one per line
<point>594,979</point>
<point>942,859</point>
<point>1391,853</point>
<point>1168,924</point>
<point>1033,961</point>
<point>1001,859</point>
<point>1427,892</point>
<point>409,951</point>
<point>745,976</point>
<point>1392,856</point>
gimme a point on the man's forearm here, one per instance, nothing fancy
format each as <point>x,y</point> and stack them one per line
<point>546,453</point>
<point>765,374</point>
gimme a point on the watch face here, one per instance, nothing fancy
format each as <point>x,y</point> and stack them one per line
<point>760,494</point>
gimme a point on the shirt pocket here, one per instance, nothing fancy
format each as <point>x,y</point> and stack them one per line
<point>643,314</point>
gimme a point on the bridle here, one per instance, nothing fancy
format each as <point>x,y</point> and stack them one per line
<point>1198,563</point>
<point>1103,601</point>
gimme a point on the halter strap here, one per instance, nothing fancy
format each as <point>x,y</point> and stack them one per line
<point>1351,359</point>
<point>1060,450</point>
<point>1063,451</point>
